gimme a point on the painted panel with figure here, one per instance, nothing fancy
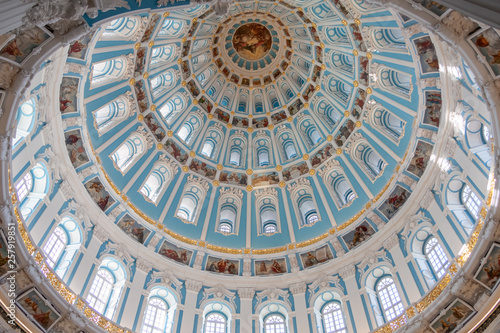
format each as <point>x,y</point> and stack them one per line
<point>133,228</point>
<point>68,101</point>
<point>357,236</point>
<point>223,266</point>
<point>487,43</point>
<point>295,171</point>
<point>99,194</point>
<point>317,256</point>
<point>203,169</point>
<point>488,273</point>
<point>432,6</point>
<point>252,41</point>
<point>176,151</point>
<point>432,108</point>
<point>270,267</point>
<point>427,54</point>
<point>74,145</point>
<point>395,201</point>
<point>265,179</point>
<point>233,178</point>
<point>21,46</point>
<point>420,158</point>
<point>322,155</point>
<point>36,306</point>
<point>175,253</point>
<point>455,314</point>
<point>78,49</point>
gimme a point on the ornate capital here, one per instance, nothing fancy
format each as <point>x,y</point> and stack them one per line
<point>347,271</point>
<point>192,285</point>
<point>298,288</point>
<point>101,234</point>
<point>391,242</point>
<point>143,265</point>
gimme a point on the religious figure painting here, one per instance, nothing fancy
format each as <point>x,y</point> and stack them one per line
<point>222,116</point>
<point>175,253</point>
<point>420,158</point>
<point>20,47</point>
<point>364,70</point>
<point>295,171</point>
<point>240,122</point>
<point>223,266</point>
<point>278,117</point>
<point>140,93</point>
<point>252,41</point>
<point>150,28</point>
<point>203,169</point>
<point>74,145</point>
<point>322,155</point>
<point>68,102</point>
<point>78,49</point>
<point>140,61</point>
<point>155,127</point>
<point>295,107</point>
<point>357,236</point>
<point>265,179</point>
<point>7,73</point>
<point>133,228</point>
<point>260,122</point>
<point>35,305</point>
<point>270,267</point>
<point>455,314</point>
<point>432,6</point>
<point>359,103</point>
<point>317,256</point>
<point>344,132</point>
<point>432,108</point>
<point>233,178</point>
<point>488,273</point>
<point>396,199</point>
<point>426,51</point>
<point>487,43</point>
<point>176,151</point>
<point>358,37</point>
<point>99,194</point>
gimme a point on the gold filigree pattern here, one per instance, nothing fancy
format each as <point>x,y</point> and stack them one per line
<point>269,251</point>
<point>223,249</point>
<point>312,241</point>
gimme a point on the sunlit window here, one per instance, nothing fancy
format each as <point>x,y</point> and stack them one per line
<point>55,246</point>
<point>389,298</point>
<point>215,323</point>
<point>436,257</point>
<point>275,324</point>
<point>100,291</point>
<point>333,319</point>
<point>155,318</point>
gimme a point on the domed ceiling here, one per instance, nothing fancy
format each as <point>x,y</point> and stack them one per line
<point>269,127</point>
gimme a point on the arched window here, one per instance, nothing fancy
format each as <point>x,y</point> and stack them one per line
<point>171,28</point>
<point>237,149</point>
<point>62,245</point>
<point>106,288</point>
<point>122,28</point>
<point>214,138</point>
<point>304,203</point>
<point>262,150</point>
<point>338,89</point>
<point>286,143</point>
<point>436,257</point>
<point>230,205</point>
<point>308,129</point>
<point>396,83</point>
<point>369,160</point>
<point>387,123</point>
<point>388,40</point>
<point>32,188</point>
<point>328,113</point>
<point>158,180</point>
<point>163,55</point>
<point>267,204</point>
<point>338,185</point>
<point>341,62</point>
<point>173,107</point>
<point>105,72</point>
<point>26,114</point>
<point>159,313</point>
<point>162,83</point>
<point>23,187</point>
<point>190,128</point>
<point>275,324</point>
<point>111,114</point>
<point>389,299</point>
<point>192,199</point>
<point>129,152</point>
<point>215,323</point>
<point>333,318</point>
<point>55,246</point>
<point>155,318</point>
<point>478,140</point>
<point>471,201</point>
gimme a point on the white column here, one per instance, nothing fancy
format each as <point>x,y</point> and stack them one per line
<point>299,298</point>
<point>132,303</point>
<point>348,275</point>
<point>445,227</point>
<point>83,269</point>
<point>409,285</point>
<point>192,290</point>
<point>41,225</point>
<point>246,313</point>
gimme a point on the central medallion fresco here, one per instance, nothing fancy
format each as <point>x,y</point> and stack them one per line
<point>252,41</point>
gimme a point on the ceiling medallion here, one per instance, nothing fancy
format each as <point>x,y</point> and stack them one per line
<point>252,41</point>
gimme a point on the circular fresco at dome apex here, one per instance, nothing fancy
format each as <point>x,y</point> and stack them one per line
<point>252,41</point>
